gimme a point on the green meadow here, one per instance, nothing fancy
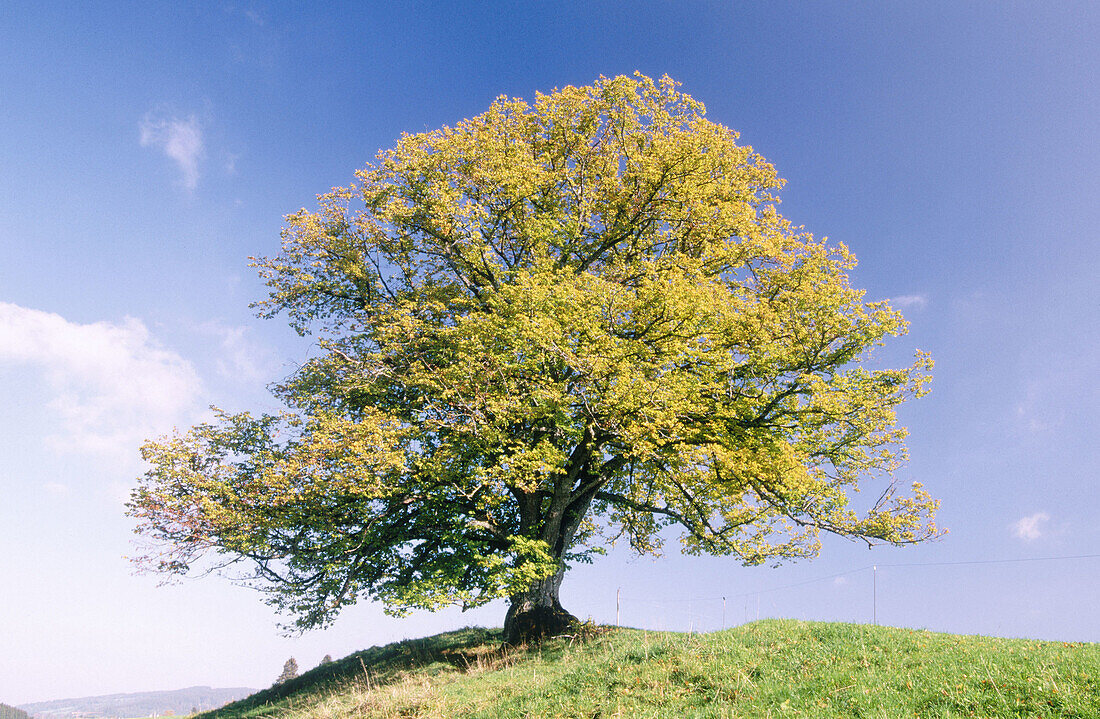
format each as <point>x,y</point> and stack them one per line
<point>770,668</point>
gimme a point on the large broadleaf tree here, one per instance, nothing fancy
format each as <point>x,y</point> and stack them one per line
<point>552,326</point>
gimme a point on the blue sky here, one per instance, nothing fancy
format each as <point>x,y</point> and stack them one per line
<point>147,150</point>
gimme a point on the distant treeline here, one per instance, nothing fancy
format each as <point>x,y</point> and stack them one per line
<point>7,712</point>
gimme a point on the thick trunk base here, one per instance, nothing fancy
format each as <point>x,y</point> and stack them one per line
<point>532,624</point>
<point>537,614</point>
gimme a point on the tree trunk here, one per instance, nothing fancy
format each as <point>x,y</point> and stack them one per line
<point>537,613</point>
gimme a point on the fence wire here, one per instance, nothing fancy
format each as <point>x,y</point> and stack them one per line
<point>1027,596</point>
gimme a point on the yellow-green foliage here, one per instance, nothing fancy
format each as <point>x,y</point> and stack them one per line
<point>559,320</point>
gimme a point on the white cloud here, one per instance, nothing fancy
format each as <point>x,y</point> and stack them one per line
<point>1027,528</point>
<point>108,386</point>
<point>840,581</point>
<point>241,358</point>
<point>917,302</point>
<point>180,140</point>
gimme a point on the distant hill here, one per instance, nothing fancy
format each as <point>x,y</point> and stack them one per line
<point>9,712</point>
<point>142,704</point>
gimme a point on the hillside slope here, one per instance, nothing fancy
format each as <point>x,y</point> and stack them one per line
<point>768,668</point>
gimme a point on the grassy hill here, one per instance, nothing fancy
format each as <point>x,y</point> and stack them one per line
<point>771,668</point>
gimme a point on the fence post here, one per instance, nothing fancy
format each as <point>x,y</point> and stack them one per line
<point>874,594</point>
<point>617,592</point>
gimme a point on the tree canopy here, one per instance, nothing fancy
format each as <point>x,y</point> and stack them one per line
<point>552,326</point>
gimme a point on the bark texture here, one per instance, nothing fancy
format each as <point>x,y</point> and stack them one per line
<point>537,613</point>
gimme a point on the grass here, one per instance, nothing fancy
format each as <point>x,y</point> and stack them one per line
<point>771,668</point>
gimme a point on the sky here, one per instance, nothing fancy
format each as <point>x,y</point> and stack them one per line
<point>147,150</point>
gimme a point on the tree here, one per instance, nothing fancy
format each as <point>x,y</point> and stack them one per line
<point>10,712</point>
<point>552,326</point>
<point>290,671</point>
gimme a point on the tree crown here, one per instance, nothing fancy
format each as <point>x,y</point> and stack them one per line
<point>552,325</point>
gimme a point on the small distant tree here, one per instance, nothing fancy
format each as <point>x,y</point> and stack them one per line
<point>290,670</point>
<point>327,659</point>
<point>10,712</point>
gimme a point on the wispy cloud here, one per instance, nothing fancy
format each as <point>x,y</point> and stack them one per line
<point>917,302</point>
<point>57,490</point>
<point>240,357</point>
<point>108,385</point>
<point>180,140</point>
<point>1038,410</point>
<point>1028,528</point>
<point>248,10</point>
